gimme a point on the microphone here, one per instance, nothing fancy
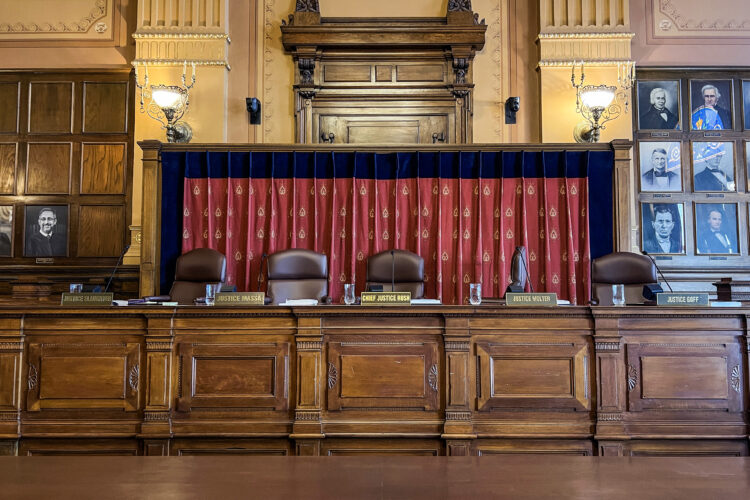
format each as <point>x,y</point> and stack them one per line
<point>260,270</point>
<point>523,261</point>
<point>109,282</point>
<point>657,268</point>
<point>393,271</point>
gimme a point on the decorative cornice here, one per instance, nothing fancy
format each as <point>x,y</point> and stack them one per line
<point>457,345</point>
<point>462,416</point>
<point>155,416</point>
<point>307,415</point>
<point>607,346</point>
<point>569,62</point>
<point>158,346</point>
<point>687,22</point>
<point>11,346</point>
<point>10,415</point>
<point>83,25</point>
<point>609,417</point>
<point>306,345</point>
<point>181,35</point>
<point>579,36</point>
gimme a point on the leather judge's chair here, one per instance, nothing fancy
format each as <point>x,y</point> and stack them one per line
<point>196,269</point>
<point>404,267</point>
<point>297,274</point>
<point>630,269</point>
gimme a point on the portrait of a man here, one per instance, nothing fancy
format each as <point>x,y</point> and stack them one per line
<point>46,231</point>
<point>661,227</point>
<point>711,104</point>
<point>716,227</point>
<point>713,166</point>
<point>746,103</point>
<point>6,230</point>
<point>660,166</point>
<point>658,105</point>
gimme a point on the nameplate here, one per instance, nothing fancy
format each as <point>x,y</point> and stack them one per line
<point>717,258</point>
<point>717,195</point>
<point>44,260</point>
<point>240,299</point>
<point>683,299</point>
<point>662,257</point>
<point>662,196</point>
<point>87,299</point>
<point>711,134</point>
<point>531,299</point>
<point>659,134</point>
<point>385,298</point>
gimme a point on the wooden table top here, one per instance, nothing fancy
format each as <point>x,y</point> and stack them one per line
<point>374,477</point>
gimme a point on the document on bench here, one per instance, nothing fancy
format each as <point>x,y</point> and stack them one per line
<point>300,302</point>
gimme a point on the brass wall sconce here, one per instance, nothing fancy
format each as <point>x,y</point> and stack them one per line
<point>599,104</point>
<point>167,104</point>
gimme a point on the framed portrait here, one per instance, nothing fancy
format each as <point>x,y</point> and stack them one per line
<point>6,230</point>
<point>713,167</point>
<point>716,228</point>
<point>46,231</point>
<point>711,104</point>
<point>746,103</point>
<point>659,105</point>
<point>662,228</point>
<point>660,166</point>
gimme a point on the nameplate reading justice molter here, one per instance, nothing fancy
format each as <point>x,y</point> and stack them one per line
<point>385,298</point>
<point>531,299</point>
<point>681,299</point>
<point>87,299</point>
<point>240,298</point>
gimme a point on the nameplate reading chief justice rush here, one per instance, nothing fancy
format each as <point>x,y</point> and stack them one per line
<point>87,299</point>
<point>385,298</point>
<point>681,299</point>
<point>240,298</point>
<point>531,299</point>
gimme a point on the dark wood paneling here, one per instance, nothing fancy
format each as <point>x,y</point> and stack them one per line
<point>72,447</point>
<point>383,73</point>
<point>49,168</point>
<point>347,73</point>
<point>420,73</point>
<point>380,447</point>
<point>217,447</point>
<point>9,103</point>
<point>105,107</point>
<point>103,169</point>
<point>99,230</point>
<point>9,373</point>
<point>8,159</point>
<point>50,107</point>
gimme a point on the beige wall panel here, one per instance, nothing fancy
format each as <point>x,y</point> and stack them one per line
<point>58,20</point>
<point>51,107</point>
<point>48,168</point>
<point>99,230</point>
<point>105,107</point>
<point>9,95</point>
<point>687,33</point>
<point>8,158</point>
<point>103,169</point>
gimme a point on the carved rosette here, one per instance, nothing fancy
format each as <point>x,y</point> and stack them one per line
<point>133,378</point>
<point>736,379</point>
<point>333,375</point>
<point>33,377</point>
<point>459,6</point>
<point>307,6</point>
<point>632,377</point>
<point>432,378</point>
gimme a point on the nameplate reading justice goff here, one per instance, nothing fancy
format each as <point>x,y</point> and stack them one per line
<point>681,299</point>
<point>385,298</point>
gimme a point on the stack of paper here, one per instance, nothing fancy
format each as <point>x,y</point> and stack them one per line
<point>300,302</point>
<point>424,302</point>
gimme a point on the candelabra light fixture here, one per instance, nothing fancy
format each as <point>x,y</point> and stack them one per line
<point>599,104</point>
<point>167,104</point>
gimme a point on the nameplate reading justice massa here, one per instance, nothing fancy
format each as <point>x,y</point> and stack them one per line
<point>385,298</point>
<point>531,299</point>
<point>240,298</point>
<point>87,299</point>
<point>681,299</point>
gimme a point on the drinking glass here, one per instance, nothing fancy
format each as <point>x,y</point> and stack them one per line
<point>475,294</point>
<point>349,297</point>
<point>618,295</point>
<point>76,287</point>
<point>210,294</point>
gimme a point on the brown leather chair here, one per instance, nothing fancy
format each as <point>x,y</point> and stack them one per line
<point>196,269</point>
<point>630,269</point>
<point>405,267</point>
<point>297,274</point>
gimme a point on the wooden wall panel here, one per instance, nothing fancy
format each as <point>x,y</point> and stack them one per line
<point>9,103</point>
<point>8,159</point>
<point>48,168</point>
<point>99,230</point>
<point>103,169</point>
<point>51,107</point>
<point>105,107</point>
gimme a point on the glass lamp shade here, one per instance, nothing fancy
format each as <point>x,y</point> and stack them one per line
<point>597,96</point>
<point>167,97</point>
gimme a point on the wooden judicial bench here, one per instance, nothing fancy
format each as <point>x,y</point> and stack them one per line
<point>338,380</point>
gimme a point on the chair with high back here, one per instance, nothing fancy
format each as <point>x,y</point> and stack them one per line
<point>626,268</point>
<point>396,270</point>
<point>297,274</point>
<point>195,269</point>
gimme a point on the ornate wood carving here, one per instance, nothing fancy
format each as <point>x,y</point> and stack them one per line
<point>607,346</point>
<point>307,6</point>
<point>632,378</point>
<point>736,378</point>
<point>432,378</point>
<point>133,378</point>
<point>459,6</point>
<point>33,378</point>
<point>332,375</point>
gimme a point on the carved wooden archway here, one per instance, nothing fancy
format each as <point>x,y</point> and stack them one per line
<point>383,80</point>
